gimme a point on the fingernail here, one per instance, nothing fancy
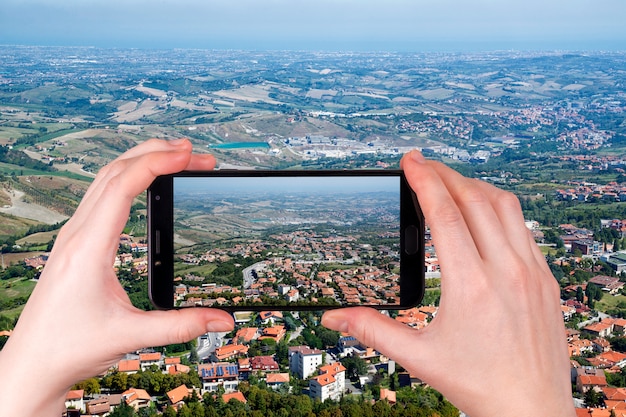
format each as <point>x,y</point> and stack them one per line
<point>418,157</point>
<point>333,320</point>
<point>219,326</point>
<point>177,142</point>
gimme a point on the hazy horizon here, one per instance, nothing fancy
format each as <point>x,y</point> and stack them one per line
<point>324,25</point>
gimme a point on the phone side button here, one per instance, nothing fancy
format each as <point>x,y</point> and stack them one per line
<point>411,245</point>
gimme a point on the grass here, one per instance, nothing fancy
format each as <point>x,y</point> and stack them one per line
<point>609,302</point>
<point>40,238</point>
<point>14,288</point>
<point>200,270</point>
<point>11,169</point>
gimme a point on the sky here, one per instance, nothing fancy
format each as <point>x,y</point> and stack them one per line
<point>326,184</point>
<point>357,25</point>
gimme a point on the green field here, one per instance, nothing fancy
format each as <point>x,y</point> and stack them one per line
<point>610,302</point>
<point>12,289</point>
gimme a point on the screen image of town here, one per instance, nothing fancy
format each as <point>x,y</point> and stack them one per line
<point>286,241</point>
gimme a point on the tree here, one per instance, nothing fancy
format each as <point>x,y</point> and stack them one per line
<point>355,366</point>
<point>123,410</point>
<point>193,356</point>
<point>593,398</point>
<point>91,386</point>
<point>169,411</point>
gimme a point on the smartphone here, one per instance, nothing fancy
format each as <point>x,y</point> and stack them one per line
<point>285,240</point>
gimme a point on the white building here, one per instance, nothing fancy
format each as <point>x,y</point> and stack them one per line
<point>303,361</point>
<point>329,384</point>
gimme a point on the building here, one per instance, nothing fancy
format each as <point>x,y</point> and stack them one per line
<point>136,398</point>
<point>587,247</point>
<point>230,351</point>
<point>277,380</point>
<point>264,364</point>
<point>329,384</point>
<point>303,361</point>
<point>222,374</point>
<point>177,396</point>
<point>611,285</point>
<point>590,378</point>
<point>617,262</point>
<point>151,359</point>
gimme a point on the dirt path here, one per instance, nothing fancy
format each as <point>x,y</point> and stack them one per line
<point>20,208</point>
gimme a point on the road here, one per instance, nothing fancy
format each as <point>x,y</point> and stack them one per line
<point>601,316</point>
<point>207,343</point>
<point>248,277</point>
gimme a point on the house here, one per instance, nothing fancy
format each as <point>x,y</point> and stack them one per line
<point>75,399</point>
<point>578,347</point>
<point>178,369</point>
<point>590,378</point>
<point>264,363</point>
<point>389,395</point>
<point>270,316</point>
<point>171,363</point>
<point>614,398</point>
<point>349,345</point>
<point>601,345</point>
<point>413,318</point>
<point>219,374</point>
<point>275,332</point>
<point>603,328</point>
<point>129,366</point>
<point>177,396</point>
<point>245,335</point>
<point>99,407</point>
<point>596,412</point>
<point>136,398</point>
<point>568,312</point>
<point>610,359</point>
<point>237,395</point>
<point>292,296</point>
<point>150,359</point>
<point>230,351</point>
<point>303,361</point>
<point>277,380</point>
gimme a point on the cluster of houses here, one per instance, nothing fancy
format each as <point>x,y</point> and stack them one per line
<point>585,191</point>
<point>230,364</point>
<point>351,284</point>
<point>591,342</point>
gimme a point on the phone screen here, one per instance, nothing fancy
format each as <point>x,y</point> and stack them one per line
<point>298,241</point>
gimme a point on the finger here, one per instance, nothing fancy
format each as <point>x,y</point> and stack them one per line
<point>365,324</point>
<point>160,328</point>
<point>145,148</point>
<point>509,211</point>
<point>478,212</point>
<point>447,225</point>
<point>106,208</point>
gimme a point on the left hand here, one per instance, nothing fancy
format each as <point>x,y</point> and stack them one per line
<point>79,321</point>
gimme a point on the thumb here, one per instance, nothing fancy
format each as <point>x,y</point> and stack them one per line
<point>159,328</point>
<point>388,336</point>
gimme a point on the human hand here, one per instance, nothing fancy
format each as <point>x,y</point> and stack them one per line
<point>79,321</point>
<point>497,345</point>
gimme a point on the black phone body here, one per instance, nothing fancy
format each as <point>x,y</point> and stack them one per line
<point>259,240</point>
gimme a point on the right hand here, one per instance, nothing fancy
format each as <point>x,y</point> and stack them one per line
<point>497,345</point>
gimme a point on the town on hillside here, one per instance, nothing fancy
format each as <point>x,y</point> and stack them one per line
<point>290,354</point>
